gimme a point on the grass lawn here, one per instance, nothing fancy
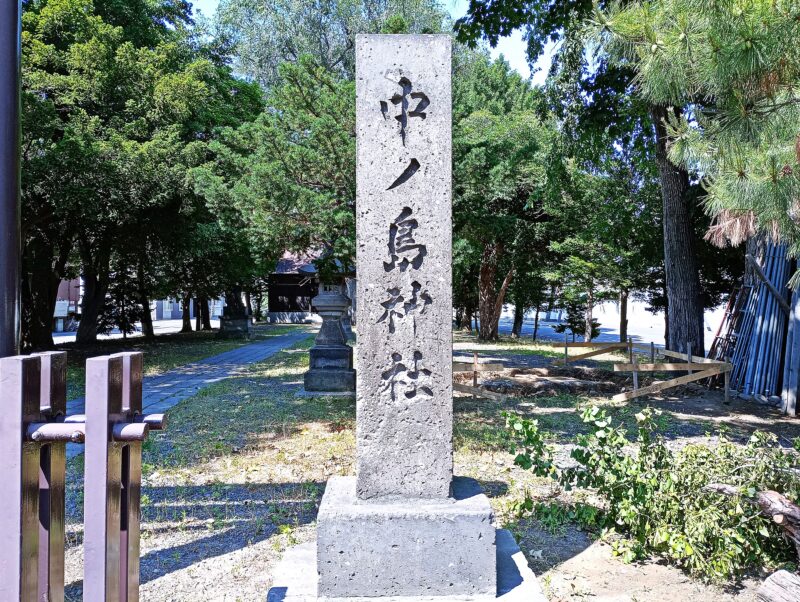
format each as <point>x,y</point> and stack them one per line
<point>165,352</point>
<point>239,474</point>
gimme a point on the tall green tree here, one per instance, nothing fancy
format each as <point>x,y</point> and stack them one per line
<point>500,177</point>
<point>291,172</point>
<point>113,93</point>
<point>599,84</point>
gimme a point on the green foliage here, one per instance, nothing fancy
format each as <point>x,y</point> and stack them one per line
<point>735,67</point>
<point>656,498</point>
<point>290,174</point>
<point>268,34</point>
<point>119,98</point>
<point>575,322</point>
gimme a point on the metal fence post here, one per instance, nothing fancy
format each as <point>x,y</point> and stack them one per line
<point>52,476</point>
<point>19,473</point>
<point>115,430</point>
<point>10,238</point>
<point>32,448</point>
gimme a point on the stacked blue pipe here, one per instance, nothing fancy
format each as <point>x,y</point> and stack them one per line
<point>761,337</point>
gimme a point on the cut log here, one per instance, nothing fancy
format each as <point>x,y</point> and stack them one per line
<point>781,586</point>
<point>772,505</point>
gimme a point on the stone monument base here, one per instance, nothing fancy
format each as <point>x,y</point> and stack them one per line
<point>327,380</point>
<point>295,578</point>
<point>405,547</point>
<point>234,328</point>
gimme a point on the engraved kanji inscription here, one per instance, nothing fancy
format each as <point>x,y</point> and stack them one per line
<point>407,378</point>
<point>404,251</point>
<point>413,167</point>
<point>403,101</point>
<point>399,305</point>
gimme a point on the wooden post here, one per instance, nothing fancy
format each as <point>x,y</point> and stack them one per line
<point>475,370</point>
<point>727,383</point>
<point>652,352</point>
<point>689,354</point>
<point>635,363</point>
<point>566,348</point>
<point>102,480</point>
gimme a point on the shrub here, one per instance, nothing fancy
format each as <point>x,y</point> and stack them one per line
<point>655,498</point>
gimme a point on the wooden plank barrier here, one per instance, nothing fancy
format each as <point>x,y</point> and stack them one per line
<point>34,431</point>
<point>599,349</point>
<point>474,368</point>
<point>698,368</point>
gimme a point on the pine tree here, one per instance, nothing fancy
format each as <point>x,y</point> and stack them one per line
<point>732,69</point>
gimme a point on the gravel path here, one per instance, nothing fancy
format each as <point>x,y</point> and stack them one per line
<point>164,391</point>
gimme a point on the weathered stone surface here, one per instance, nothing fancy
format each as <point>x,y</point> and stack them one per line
<point>295,578</point>
<point>405,547</point>
<point>404,381</point>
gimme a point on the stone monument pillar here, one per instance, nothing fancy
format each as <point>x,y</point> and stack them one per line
<point>403,526</point>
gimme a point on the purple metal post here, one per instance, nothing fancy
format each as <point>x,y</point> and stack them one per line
<point>52,476</point>
<point>19,474</point>
<point>112,480</point>
<point>32,471</point>
<point>10,245</point>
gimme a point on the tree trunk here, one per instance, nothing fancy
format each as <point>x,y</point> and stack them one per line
<point>144,299</point>
<point>205,313</point>
<point>96,266</point>
<point>519,316</point>
<point>248,303</point>
<point>233,303</point>
<point>94,295</point>
<point>187,317</point>
<point>467,319</point>
<point>147,317</point>
<point>490,303</point>
<point>623,316</point>
<point>42,273</point>
<point>757,248</point>
<point>685,318</point>
<point>589,316</point>
<point>459,317</point>
<point>536,323</point>
<point>198,322</point>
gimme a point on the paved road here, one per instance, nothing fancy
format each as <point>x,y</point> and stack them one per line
<point>159,326</point>
<point>162,392</point>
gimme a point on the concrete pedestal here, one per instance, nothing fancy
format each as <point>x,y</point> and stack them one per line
<point>295,578</point>
<point>397,546</point>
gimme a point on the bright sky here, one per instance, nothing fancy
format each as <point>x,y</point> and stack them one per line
<point>511,47</point>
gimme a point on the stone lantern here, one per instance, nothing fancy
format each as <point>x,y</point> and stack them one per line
<point>331,366</point>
